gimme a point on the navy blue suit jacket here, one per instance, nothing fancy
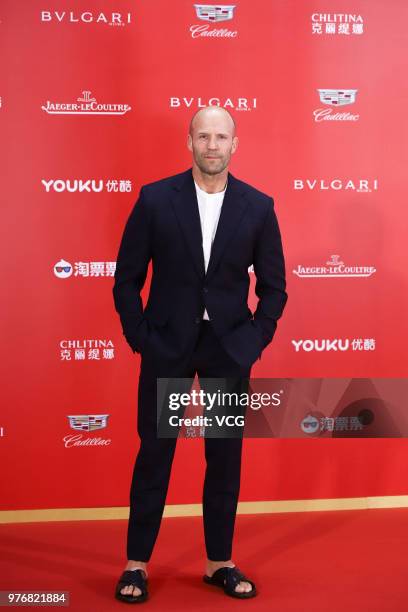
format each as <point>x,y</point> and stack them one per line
<point>164,227</point>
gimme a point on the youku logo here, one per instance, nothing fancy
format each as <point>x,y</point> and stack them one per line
<point>334,268</point>
<point>336,344</point>
<point>113,19</point>
<point>335,98</point>
<point>87,186</point>
<point>85,105</point>
<point>235,104</point>
<point>213,13</point>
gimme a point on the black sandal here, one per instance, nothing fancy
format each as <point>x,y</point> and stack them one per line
<point>228,578</point>
<point>135,578</point>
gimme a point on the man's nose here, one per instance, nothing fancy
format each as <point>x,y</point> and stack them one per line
<point>212,143</point>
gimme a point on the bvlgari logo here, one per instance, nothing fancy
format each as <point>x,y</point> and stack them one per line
<point>85,105</point>
<point>356,185</point>
<point>334,268</point>
<point>233,103</point>
<point>110,19</point>
<point>213,13</point>
<point>335,98</point>
<point>88,422</point>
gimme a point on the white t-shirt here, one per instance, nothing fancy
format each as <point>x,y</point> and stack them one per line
<point>209,206</point>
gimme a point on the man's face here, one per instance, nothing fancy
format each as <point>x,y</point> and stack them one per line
<point>212,141</point>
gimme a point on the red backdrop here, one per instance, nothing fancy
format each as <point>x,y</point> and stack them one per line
<point>96,97</point>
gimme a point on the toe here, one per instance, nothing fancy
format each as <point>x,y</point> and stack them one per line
<point>243,587</point>
<point>129,590</point>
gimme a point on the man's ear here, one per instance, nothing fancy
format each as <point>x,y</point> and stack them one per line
<point>235,142</point>
<point>189,142</point>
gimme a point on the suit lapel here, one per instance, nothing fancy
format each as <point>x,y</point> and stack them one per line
<point>233,207</point>
<point>186,208</point>
<point>184,200</point>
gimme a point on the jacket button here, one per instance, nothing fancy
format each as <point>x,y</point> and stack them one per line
<point>198,320</point>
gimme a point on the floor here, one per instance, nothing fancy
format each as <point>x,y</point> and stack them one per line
<point>353,561</point>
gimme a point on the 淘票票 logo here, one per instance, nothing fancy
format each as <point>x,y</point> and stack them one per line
<point>64,269</point>
<point>311,425</point>
<point>85,105</point>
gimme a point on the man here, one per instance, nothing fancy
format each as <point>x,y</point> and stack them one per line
<point>202,229</point>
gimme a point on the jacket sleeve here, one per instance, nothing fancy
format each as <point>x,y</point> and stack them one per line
<point>130,275</point>
<point>269,268</point>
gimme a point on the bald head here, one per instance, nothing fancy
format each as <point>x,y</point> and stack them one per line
<point>212,140</point>
<point>215,113</point>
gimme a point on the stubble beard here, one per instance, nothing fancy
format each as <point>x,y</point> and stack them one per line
<point>206,167</point>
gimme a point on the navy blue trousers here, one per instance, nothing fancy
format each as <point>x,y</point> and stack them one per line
<point>152,468</point>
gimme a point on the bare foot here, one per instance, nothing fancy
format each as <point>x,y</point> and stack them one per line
<point>134,590</point>
<point>213,566</point>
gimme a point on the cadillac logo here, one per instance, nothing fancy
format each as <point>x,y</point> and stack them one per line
<point>337,97</point>
<point>215,12</point>
<point>88,422</point>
